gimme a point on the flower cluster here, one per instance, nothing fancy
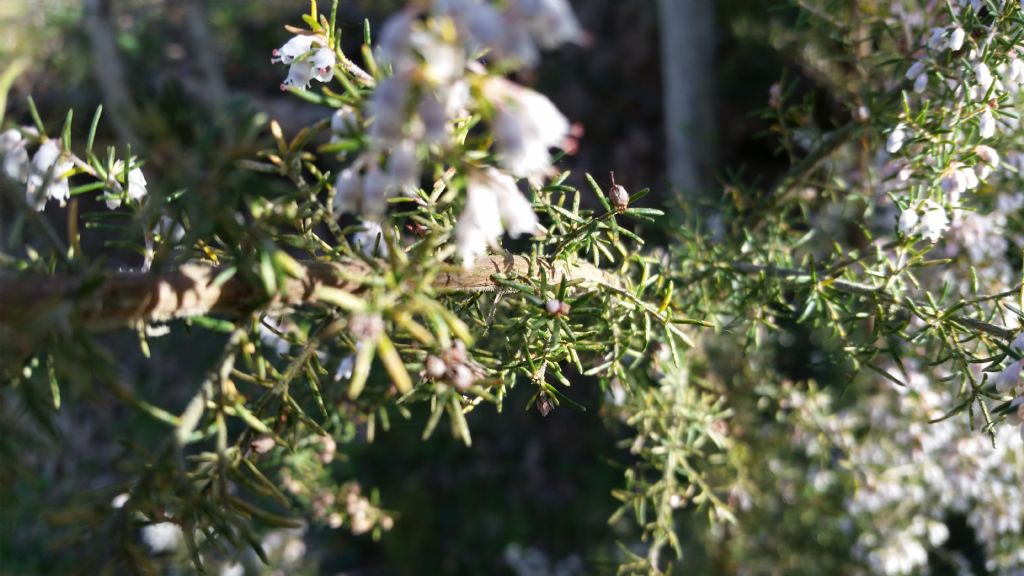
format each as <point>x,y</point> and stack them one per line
<point>434,84</point>
<point>45,177</point>
<point>308,57</point>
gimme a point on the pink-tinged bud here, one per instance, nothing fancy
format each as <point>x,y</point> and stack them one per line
<point>262,444</point>
<point>435,367</point>
<point>553,307</point>
<point>618,196</point>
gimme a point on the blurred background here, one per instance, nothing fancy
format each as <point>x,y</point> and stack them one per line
<point>671,96</point>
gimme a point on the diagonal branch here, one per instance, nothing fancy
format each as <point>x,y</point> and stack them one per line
<point>110,300</point>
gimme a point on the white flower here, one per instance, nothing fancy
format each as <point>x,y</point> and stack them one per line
<point>300,73</point>
<point>551,22</point>
<point>304,65</point>
<point>393,41</point>
<point>292,49</point>
<point>479,225</point>
<point>404,168</point>
<point>987,124</point>
<point>934,222</point>
<point>345,367</point>
<point>1015,71</point>
<point>921,84</point>
<point>365,195</point>
<point>896,138</point>
<point>916,69</point>
<point>493,204</point>
<point>136,184</point>
<point>982,75</point>
<point>47,176</point>
<point>526,125</point>
<point>323,62</point>
<point>443,62</point>
<point>370,240</point>
<point>387,110</point>
<point>14,155</point>
<point>908,221</point>
<point>956,39</point>
<point>344,121</point>
<point>348,191</point>
<point>1007,380</point>
<point>989,160</point>
<point>236,569</point>
<point>162,537</point>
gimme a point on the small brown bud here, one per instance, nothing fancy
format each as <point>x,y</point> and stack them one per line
<point>618,196</point>
<point>544,404</point>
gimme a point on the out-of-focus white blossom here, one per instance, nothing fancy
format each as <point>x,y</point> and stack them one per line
<point>47,176</point>
<point>987,124</point>
<point>493,203</point>
<point>365,195</point>
<point>162,537</point>
<point>370,240</point>
<point>292,49</point>
<point>14,155</point>
<point>895,140</point>
<point>307,58</point>
<point>404,168</point>
<point>956,39</point>
<point>982,75</point>
<point>934,222</point>
<point>908,221</point>
<point>921,84</point>
<point>989,160</point>
<point>550,22</point>
<point>526,126</point>
<point>386,110</point>
<point>916,69</point>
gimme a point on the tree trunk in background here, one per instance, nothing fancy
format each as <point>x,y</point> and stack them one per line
<point>687,50</point>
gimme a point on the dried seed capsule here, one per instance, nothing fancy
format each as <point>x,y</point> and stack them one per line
<point>618,196</point>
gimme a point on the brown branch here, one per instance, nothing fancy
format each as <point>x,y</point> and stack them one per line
<point>109,300</point>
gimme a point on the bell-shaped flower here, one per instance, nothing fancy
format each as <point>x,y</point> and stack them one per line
<point>982,75</point>
<point>896,138</point>
<point>493,205</point>
<point>386,110</point>
<point>479,225</point>
<point>956,39</point>
<point>344,121</point>
<point>370,240</point>
<point>323,62</point>
<point>14,155</point>
<point>300,73</point>
<point>308,58</point>
<point>292,49</point>
<point>987,124</point>
<point>934,222</point>
<point>136,184</point>
<point>916,69</point>
<point>551,22</point>
<point>47,176</point>
<point>908,221</point>
<point>526,125</point>
<point>988,160</point>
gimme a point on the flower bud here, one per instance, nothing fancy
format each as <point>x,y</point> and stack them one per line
<point>262,444</point>
<point>435,367</point>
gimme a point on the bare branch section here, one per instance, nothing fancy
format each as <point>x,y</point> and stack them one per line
<point>111,300</point>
